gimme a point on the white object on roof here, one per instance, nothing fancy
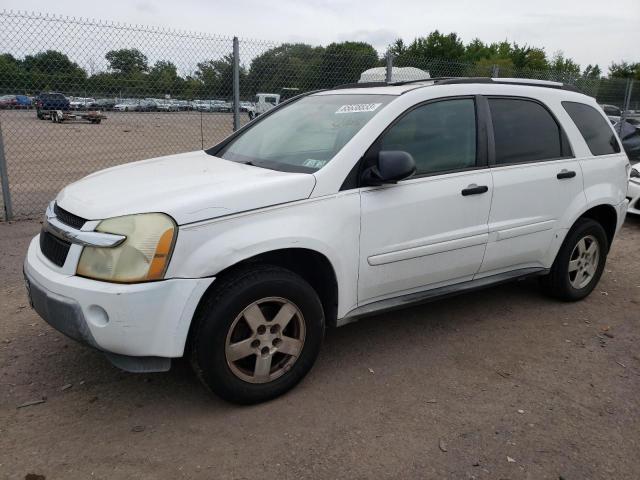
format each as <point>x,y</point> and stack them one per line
<point>398,74</point>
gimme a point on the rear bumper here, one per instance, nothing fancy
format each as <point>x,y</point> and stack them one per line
<point>141,320</point>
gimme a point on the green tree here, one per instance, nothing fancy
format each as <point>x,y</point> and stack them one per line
<point>53,70</point>
<point>216,77</point>
<point>290,65</point>
<point>437,46</point>
<point>127,61</point>
<point>397,48</point>
<point>592,72</point>
<point>625,70</point>
<point>12,76</point>
<point>163,78</point>
<point>344,62</point>
<point>563,69</point>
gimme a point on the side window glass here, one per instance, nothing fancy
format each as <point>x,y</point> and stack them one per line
<point>441,136</point>
<point>524,131</point>
<point>593,127</point>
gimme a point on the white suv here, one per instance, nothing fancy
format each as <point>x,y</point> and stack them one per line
<point>332,206</point>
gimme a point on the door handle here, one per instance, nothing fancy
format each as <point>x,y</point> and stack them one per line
<point>564,173</point>
<point>474,189</point>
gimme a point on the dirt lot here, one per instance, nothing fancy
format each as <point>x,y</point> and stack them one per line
<point>511,384</point>
<point>43,157</point>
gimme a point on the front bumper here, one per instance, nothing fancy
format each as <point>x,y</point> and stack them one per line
<point>633,194</point>
<point>139,326</point>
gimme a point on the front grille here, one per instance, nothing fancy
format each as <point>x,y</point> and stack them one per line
<point>68,217</point>
<point>53,248</point>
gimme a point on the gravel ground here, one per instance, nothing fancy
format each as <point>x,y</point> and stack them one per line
<point>499,384</point>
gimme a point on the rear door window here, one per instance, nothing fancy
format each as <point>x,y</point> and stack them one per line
<point>525,131</point>
<point>593,127</point>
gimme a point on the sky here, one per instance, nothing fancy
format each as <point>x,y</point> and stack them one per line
<point>588,31</point>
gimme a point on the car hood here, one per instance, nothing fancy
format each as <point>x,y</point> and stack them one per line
<point>189,186</point>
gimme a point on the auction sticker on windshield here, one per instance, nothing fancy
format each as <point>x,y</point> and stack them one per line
<point>358,108</point>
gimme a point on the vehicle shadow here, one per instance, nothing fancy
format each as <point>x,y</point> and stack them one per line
<point>392,338</point>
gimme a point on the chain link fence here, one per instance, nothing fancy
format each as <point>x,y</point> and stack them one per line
<point>161,91</point>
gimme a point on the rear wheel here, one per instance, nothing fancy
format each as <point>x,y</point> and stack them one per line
<point>257,334</point>
<point>579,263</point>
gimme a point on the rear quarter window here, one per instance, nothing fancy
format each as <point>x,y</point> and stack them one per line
<point>593,127</point>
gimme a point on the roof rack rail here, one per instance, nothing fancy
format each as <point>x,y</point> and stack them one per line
<point>457,80</point>
<point>510,81</point>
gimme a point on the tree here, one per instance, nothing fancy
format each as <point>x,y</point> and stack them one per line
<point>290,65</point>
<point>163,78</point>
<point>563,69</point>
<point>53,70</point>
<point>592,72</point>
<point>397,48</point>
<point>11,74</point>
<point>437,46</point>
<point>127,61</point>
<point>344,62</point>
<point>625,70</point>
<point>216,76</point>
<point>477,50</point>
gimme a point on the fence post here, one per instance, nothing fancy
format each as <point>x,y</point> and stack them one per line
<point>625,104</point>
<point>495,71</point>
<point>236,84</point>
<point>4,182</point>
<point>389,74</point>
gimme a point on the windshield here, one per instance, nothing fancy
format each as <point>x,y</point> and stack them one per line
<point>305,135</point>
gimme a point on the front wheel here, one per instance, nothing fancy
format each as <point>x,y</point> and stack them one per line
<point>257,334</point>
<point>579,263</point>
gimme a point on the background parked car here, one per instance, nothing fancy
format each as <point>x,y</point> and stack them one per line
<point>127,106</point>
<point>105,103</point>
<point>50,101</point>
<point>24,101</point>
<point>614,113</point>
<point>8,101</point>
<point>166,106</point>
<point>630,136</point>
<point>81,103</point>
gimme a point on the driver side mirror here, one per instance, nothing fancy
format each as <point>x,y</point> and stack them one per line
<point>635,173</point>
<point>392,166</point>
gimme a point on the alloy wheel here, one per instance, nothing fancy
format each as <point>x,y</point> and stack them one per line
<point>583,263</point>
<point>265,340</point>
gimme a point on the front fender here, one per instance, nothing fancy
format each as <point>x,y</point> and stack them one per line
<point>207,248</point>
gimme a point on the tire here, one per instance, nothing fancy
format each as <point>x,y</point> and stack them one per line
<point>251,115</point>
<point>585,273</point>
<point>227,317</point>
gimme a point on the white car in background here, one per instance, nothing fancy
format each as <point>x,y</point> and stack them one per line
<point>127,106</point>
<point>333,206</point>
<point>81,103</point>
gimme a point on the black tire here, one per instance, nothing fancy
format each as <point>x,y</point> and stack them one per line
<point>558,282</point>
<point>215,317</point>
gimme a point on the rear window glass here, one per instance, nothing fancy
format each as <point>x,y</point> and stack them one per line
<point>525,131</point>
<point>594,128</point>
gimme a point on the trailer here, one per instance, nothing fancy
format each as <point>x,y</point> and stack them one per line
<point>91,116</point>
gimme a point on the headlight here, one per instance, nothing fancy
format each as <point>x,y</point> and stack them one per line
<point>143,256</point>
